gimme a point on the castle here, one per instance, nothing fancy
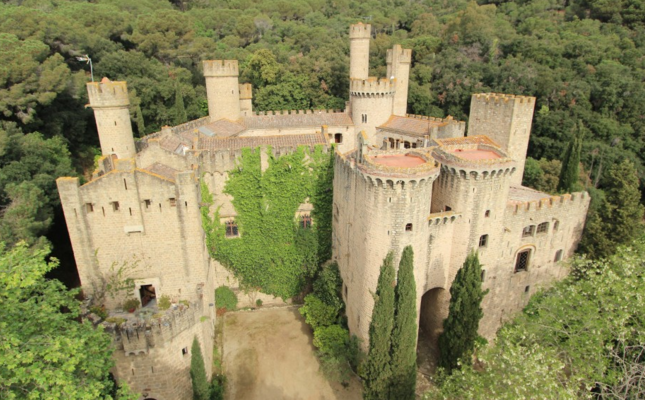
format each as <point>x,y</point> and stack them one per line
<point>398,180</point>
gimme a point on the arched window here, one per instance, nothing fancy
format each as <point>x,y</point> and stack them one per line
<point>231,229</point>
<point>522,261</point>
<point>556,225</point>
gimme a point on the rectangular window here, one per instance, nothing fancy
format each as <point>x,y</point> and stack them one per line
<point>305,221</point>
<point>558,256</point>
<point>147,203</point>
<point>483,275</point>
<point>487,214</point>
<point>543,227</point>
<point>338,138</point>
<point>115,206</point>
<point>483,240</point>
<point>173,202</point>
<point>522,261</point>
<point>528,231</point>
<point>89,207</point>
<point>231,229</point>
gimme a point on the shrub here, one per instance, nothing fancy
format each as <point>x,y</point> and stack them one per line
<point>328,285</point>
<point>258,302</point>
<point>100,311</point>
<point>164,302</point>
<point>331,339</point>
<point>116,320</point>
<point>218,383</point>
<point>131,304</point>
<point>225,298</point>
<point>317,313</point>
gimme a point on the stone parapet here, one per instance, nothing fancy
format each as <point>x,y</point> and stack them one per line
<point>220,68</point>
<point>565,200</point>
<point>399,54</point>
<point>108,94</point>
<point>372,87</point>
<point>360,31</point>
<point>504,98</point>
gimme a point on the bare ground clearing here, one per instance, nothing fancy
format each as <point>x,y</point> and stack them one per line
<point>268,354</point>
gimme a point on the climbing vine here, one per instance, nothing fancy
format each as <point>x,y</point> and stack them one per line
<point>273,252</point>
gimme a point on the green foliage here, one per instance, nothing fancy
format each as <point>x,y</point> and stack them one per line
<point>317,313</point>
<point>100,311</point>
<point>331,339</point>
<point>198,377</point>
<point>216,390</point>
<point>457,342</point>
<point>542,175</point>
<point>131,304</point>
<point>328,284</point>
<point>225,298</point>
<point>273,252</point>
<point>164,302</point>
<point>46,353</point>
<point>115,320</point>
<point>405,331</point>
<point>377,371</point>
<point>584,333</point>
<point>569,176</point>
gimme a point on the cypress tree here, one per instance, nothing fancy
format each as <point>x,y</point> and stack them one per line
<point>460,328</point>
<point>404,335</point>
<point>571,162</point>
<point>198,372</point>
<point>377,372</point>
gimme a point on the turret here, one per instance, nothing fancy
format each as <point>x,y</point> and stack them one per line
<point>398,67</point>
<point>359,51</point>
<point>222,89</point>
<point>110,103</point>
<point>507,120</point>
<point>371,101</point>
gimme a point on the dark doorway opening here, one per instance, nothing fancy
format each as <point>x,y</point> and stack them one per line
<point>434,309</point>
<point>147,293</point>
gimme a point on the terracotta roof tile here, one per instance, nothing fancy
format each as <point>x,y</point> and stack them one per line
<point>317,118</point>
<point>235,143</point>
<point>162,170</point>
<point>411,126</point>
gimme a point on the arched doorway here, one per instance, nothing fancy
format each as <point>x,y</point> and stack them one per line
<point>434,309</point>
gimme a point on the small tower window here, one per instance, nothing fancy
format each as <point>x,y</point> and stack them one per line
<point>558,256</point>
<point>125,183</point>
<point>543,227</point>
<point>447,208</point>
<point>338,138</point>
<point>89,207</point>
<point>184,351</point>
<point>556,225</point>
<point>522,261</point>
<point>115,206</point>
<point>231,229</point>
<point>487,214</point>
<point>526,289</point>
<point>483,240</point>
<point>305,221</point>
<point>173,202</point>
<point>147,203</point>
<point>528,231</point>
<point>408,227</point>
<point>483,275</point>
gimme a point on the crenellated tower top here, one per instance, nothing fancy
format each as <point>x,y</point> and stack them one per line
<point>220,68</point>
<point>108,93</point>
<point>360,31</point>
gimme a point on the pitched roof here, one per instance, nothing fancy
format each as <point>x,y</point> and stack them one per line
<point>316,118</point>
<point>161,170</point>
<point>222,128</point>
<point>523,193</point>
<point>235,143</point>
<point>411,126</point>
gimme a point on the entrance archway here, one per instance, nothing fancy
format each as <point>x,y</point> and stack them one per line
<point>434,309</point>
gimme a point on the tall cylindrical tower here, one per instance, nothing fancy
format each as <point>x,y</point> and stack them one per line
<point>222,89</point>
<point>110,103</point>
<point>359,51</point>
<point>398,67</point>
<point>381,204</point>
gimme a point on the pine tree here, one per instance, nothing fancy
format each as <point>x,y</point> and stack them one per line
<point>377,372</point>
<point>460,328</point>
<point>404,335</point>
<point>198,372</point>
<point>617,220</point>
<point>571,161</point>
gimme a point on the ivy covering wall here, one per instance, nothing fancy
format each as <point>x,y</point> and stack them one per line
<point>273,253</point>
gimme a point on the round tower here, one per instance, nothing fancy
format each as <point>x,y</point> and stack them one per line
<point>398,67</point>
<point>110,103</point>
<point>371,103</point>
<point>222,89</point>
<point>359,50</point>
<point>474,181</point>
<point>381,204</point>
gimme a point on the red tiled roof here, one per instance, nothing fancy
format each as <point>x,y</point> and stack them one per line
<point>235,143</point>
<point>317,118</point>
<point>411,126</point>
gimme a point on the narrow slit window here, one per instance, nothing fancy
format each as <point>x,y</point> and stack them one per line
<point>483,275</point>
<point>89,207</point>
<point>130,209</point>
<point>556,225</point>
<point>487,214</point>
<point>526,289</point>
<point>125,184</point>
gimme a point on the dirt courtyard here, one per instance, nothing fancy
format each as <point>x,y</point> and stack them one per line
<point>268,354</point>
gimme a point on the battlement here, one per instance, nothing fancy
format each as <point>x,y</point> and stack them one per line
<point>399,54</point>
<point>220,68</point>
<point>564,200</point>
<point>443,217</point>
<point>372,87</point>
<point>298,112</point>
<point>360,31</point>
<point>446,121</point>
<point>504,98</point>
<point>108,94</point>
<point>246,91</point>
